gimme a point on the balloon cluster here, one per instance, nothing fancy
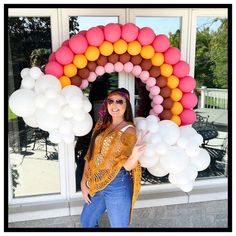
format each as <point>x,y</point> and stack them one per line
<point>115,47</point>
<point>172,150</point>
<point>43,103</point>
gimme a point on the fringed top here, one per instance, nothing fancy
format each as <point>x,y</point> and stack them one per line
<point>108,158</point>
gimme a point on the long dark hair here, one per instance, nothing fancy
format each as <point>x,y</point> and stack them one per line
<point>106,118</point>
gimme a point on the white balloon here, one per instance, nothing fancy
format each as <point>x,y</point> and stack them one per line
<point>47,82</point>
<point>154,138</point>
<point>67,111</point>
<point>87,106</point>
<point>65,127</point>
<point>161,148</point>
<point>51,94</point>
<point>196,138</point>
<point>79,115</point>
<point>27,83</point>
<point>52,107</point>
<point>55,136</point>
<point>152,127</point>
<point>71,91</point>
<point>175,160</point>
<point>141,125</point>
<point>82,128</point>
<point>21,102</point>
<point>182,142</point>
<point>187,187</point>
<point>152,118</point>
<point>61,100</point>
<point>46,121</point>
<point>25,73</point>
<point>158,170</point>
<point>68,138</point>
<point>192,149</point>
<point>149,159</point>
<point>137,119</point>
<point>202,160</point>
<point>31,121</point>
<point>40,100</point>
<point>35,72</point>
<point>169,131</point>
<point>187,131</point>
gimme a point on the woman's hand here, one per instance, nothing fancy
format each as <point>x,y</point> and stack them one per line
<point>85,191</point>
<point>140,145</point>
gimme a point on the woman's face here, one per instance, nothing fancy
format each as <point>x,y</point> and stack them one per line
<point>116,105</point>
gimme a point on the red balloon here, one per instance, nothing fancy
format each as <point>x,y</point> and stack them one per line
<point>172,55</point>
<point>146,36</point>
<point>78,44</point>
<point>181,69</point>
<point>64,55</point>
<point>161,43</point>
<point>52,57</point>
<point>95,36</point>
<point>54,68</point>
<point>189,100</point>
<point>112,32</point>
<point>187,117</point>
<point>129,32</point>
<point>65,43</point>
<point>187,84</point>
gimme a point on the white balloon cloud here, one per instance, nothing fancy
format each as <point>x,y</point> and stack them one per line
<point>42,102</point>
<point>172,150</point>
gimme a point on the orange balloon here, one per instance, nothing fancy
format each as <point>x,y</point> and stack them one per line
<point>166,70</point>
<point>106,48</point>
<point>80,61</point>
<point>147,52</point>
<point>172,81</point>
<point>120,46</point>
<point>176,94</point>
<point>134,48</point>
<point>177,108</point>
<point>65,81</point>
<point>158,59</point>
<point>92,53</point>
<point>176,119</point>
<point>70,70</point>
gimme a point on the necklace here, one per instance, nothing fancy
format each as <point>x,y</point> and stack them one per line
<point>99,157</point>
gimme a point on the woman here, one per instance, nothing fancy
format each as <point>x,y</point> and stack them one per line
<point>112,173</point>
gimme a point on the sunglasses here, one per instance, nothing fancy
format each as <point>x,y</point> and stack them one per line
<point>119,102</point>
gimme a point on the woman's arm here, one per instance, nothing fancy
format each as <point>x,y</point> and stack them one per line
<point>83,185</point>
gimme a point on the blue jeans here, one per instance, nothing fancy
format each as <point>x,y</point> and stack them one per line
<point>116,198</point>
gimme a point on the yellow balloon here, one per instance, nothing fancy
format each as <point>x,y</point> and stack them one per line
<point>147,52</point>
<point>65,81</point>
<point>158,59</point>
<point>172,81</point>
<point>92,53</point>
<point>80,61</point>
<point>106,48</point>
<point>176,108</point>
<point>166,70</point>
<point>70,70</point>
<point>176,94</point>
<point>134,48</point>
<point>120,46</point>
<point>176,119</point>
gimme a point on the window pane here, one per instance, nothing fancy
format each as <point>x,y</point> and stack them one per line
<point>96,91</point>
<point>33,159</point>
<point>211,73</point>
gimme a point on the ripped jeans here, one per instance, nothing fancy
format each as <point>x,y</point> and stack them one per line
<point>116,198</point>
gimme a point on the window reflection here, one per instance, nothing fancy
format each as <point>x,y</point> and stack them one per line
<point>33,159</point>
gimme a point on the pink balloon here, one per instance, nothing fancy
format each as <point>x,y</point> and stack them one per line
<point>128,67</point>
<point>152,112</point>
<point>158,108</point>
<point>109,67</point>
<point>92,77</point>
<point>52,57</point>
<point>83,32</point>
<point>144,75</point>
<point>65,43</point>
<point>148,89</point>
<point>151,82</point>
<point>54,68</point>
<point>118,66</point>
<point>64,55</point>
<point>95,36</point>
<point>100,70</point>
<point>181,69</point>
<point>187,84</point>
<point>155,90</point>
<point>189,100</point>
<point>112,32</point>
<point>146,36</point>
<point>187,117</point>
<point>78,44</point>
<point>137,70</point>
<point>158,99</point>
<point>129,32</point>
<point>161,43</point>
<point>84,84</point>
<point>172,55</point>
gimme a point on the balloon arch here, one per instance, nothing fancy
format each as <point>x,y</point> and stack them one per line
<point>116,48</point>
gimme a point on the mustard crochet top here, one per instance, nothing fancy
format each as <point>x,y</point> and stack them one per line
<point>115,146</point>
